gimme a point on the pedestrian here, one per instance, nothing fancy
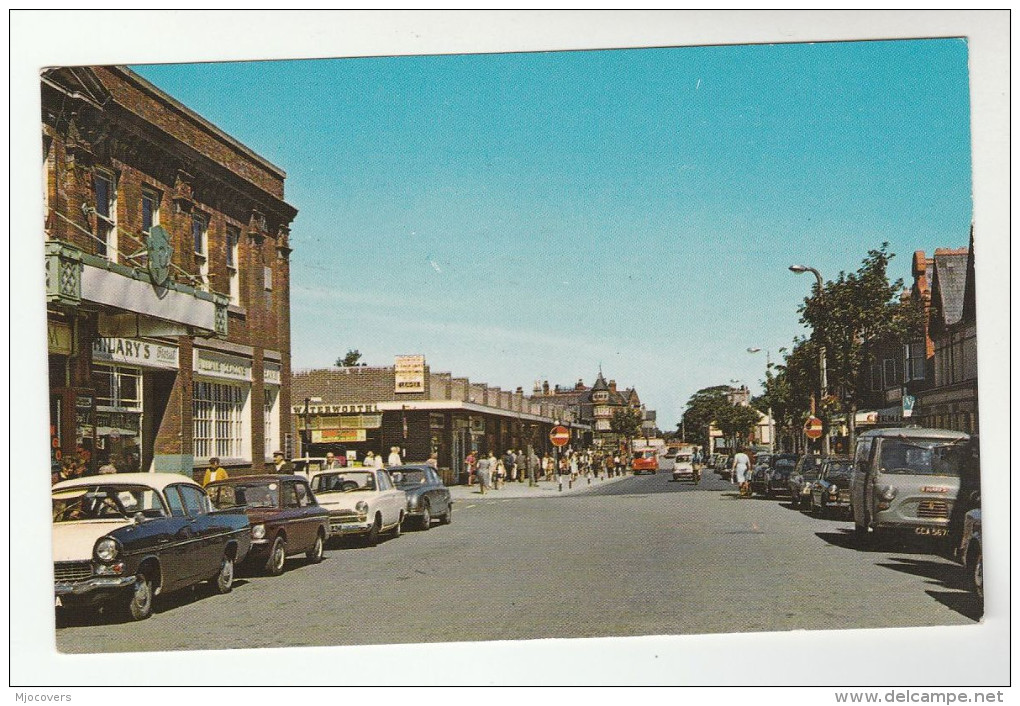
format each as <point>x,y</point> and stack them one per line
<point>214,472</point>
<point>741,465</point>
<point>483,470</point>
<point>280,465</point>
<point>510,464</point>
<point>107,467</point>
<point>469,466</point>
<point>394,458</point>
<point>575,469</point>
<point>433,461</point>
<point>498,471</point>
<point>564,472</point>
<point>331,461</point>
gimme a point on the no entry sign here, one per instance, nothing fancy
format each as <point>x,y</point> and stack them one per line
<point>813,428</point>
<point>559,436</point>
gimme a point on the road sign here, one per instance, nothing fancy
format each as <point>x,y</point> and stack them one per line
<point>559,436</point>
<point>813,428</point>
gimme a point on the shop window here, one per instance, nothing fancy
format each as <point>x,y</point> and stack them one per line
<point>233,239</point>
<point>104,190</point>
<point>218,414</point>
<point>117,387</point>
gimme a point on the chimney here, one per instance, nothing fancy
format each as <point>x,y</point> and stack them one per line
<point>545,387</point>
<point>520,390</point>
<point>537,388</point>
<point>612,385</point>
<point>580,384</point>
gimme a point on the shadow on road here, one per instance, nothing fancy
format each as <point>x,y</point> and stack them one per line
<point>952,576</point>
<point>847,539</point>
<point>966,604</point>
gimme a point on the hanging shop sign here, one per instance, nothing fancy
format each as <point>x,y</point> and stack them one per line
<point>347,436</point>
<point>409,373</point>
<point>362,408</point>
<point>135,352</point>
<point>271,373</point>
<point>221,365</point>
<point>59,337</point>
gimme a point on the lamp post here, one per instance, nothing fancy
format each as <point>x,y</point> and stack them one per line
<point>768,367</point>
<point>799,269</point>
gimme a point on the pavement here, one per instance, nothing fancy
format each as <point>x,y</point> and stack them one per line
<point>523,490</point>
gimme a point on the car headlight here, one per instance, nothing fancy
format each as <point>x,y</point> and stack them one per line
<point>258,532</point>
<point>833,490</point>
<point>361,506</point>
<point>412,500</point>
<point>888,493</point>
<point>805,490</point>
<point>107,549</point>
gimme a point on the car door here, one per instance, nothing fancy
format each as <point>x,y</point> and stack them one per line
<point>210,535</point>
<point>389,502</point>
<point>439,492</point>
<point>293,516</point>
<point>178,558</point>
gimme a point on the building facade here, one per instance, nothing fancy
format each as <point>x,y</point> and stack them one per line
<point>594,406</point>
<point>353,410</point>
<point>167,281</point>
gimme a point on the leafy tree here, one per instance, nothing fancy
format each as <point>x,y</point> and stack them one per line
<point>736,420</point>
<point>849,312</point>
<point>626,423</point>
<point>701,411</point>
<point>350,360</point>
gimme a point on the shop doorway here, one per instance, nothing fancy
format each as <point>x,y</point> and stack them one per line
<point>157,388</point>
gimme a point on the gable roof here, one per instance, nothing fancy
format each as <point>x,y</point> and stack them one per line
<point>948,283</point>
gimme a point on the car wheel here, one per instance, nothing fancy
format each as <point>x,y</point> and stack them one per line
<point>224,580</point>
<point>315,553</point>
<point>139,606</point>
<point>860,531</point>
<point>426,517</point>
<point>372,538</point>
<point>448,517</point>
<point>978,576</point>
<point>277,557</point>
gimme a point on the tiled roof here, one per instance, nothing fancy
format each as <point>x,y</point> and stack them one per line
<point>948,283</point>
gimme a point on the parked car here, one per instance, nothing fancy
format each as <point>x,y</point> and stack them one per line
<point>285,517</point>
<point>645,461</point>
<point>800,480</point>
<point>362,502</point>
<point>722,465</point>
<point>780,468</point>
<point>308,465</point>
<point>905,479</point>
<point>970,551</point>
<point>122,540</point>
<point>830,492</point>
<point>427,495</point>
<point>683,469</point>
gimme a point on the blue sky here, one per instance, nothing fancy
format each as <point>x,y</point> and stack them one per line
<point>531,216</point>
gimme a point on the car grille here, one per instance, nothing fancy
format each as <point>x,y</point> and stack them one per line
<point>933,509</point>
<point>72,571</point>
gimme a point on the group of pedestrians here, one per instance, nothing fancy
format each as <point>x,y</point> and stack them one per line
<point>492,472</point>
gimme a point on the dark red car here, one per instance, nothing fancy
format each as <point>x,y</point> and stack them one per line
<point>285,517</point>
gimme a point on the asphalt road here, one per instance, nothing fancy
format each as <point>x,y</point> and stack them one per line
<point>641,556</point>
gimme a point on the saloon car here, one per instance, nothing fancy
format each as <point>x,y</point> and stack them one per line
<point>122,540</point>
<point>781,467</point>
<point>362,502</point>
<point>830,492</point>
<point>683,469</point>
<point>285,517</point>
<point>800,480</point>
<point>645,461</point>
<point>427,495</point>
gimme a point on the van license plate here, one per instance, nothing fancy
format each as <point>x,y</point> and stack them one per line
<point>932,531</point>
<point>59,604</point>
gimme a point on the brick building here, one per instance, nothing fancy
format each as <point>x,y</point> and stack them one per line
<point>355,410</point>
<point>594,406</point>
<point>167,280</point>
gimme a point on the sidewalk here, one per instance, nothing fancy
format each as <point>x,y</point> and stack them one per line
<point>522,490</point>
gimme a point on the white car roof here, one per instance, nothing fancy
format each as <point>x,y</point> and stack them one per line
<point>152,480</point>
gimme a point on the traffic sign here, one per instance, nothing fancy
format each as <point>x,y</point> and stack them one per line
<point>559,436</point>
<point>813,428</point>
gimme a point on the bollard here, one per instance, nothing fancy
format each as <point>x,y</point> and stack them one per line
<point>570,483</point>
<point>561,487</point>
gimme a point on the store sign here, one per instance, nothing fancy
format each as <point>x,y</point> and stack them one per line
<point>59,337</point>
<point>336,408</point>
<point>271,373</point>
<point>409,373</point>
<point>348,436</point>
<point>221,365</point>
<point>135,352</point>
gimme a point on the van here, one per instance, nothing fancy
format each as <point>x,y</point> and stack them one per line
<point>905,479</point>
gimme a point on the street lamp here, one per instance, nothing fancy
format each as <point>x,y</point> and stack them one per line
<point>800,269</point>
<point>768,367</point>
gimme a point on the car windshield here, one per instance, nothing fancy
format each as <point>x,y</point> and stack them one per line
<point>838,472</point>
<point>346,481</point>
<point>264,494</point>
<point>785,465</point>
<point>923,457</point>
<point>811,467</point>
<point>683,459</point>
<point>412,478</point>
<point>105,502</point>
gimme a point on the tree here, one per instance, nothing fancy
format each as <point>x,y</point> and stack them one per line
<point>701,411</point>
<point>849,312</point>
<point>350,360</point>
<point>626,423</point>
<point>736,420</point>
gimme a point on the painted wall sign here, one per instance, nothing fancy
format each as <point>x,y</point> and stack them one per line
<point>409,373</point>
<point>271,373</point>
<point>221,365</point>
<point>135,352</point>
<point>336,408</point>
<point>59,337</point>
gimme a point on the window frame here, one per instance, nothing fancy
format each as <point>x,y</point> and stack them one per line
<point>233,265</point>
<point>155,196</point>
<point>200,238</point>
<point>106,224</point>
